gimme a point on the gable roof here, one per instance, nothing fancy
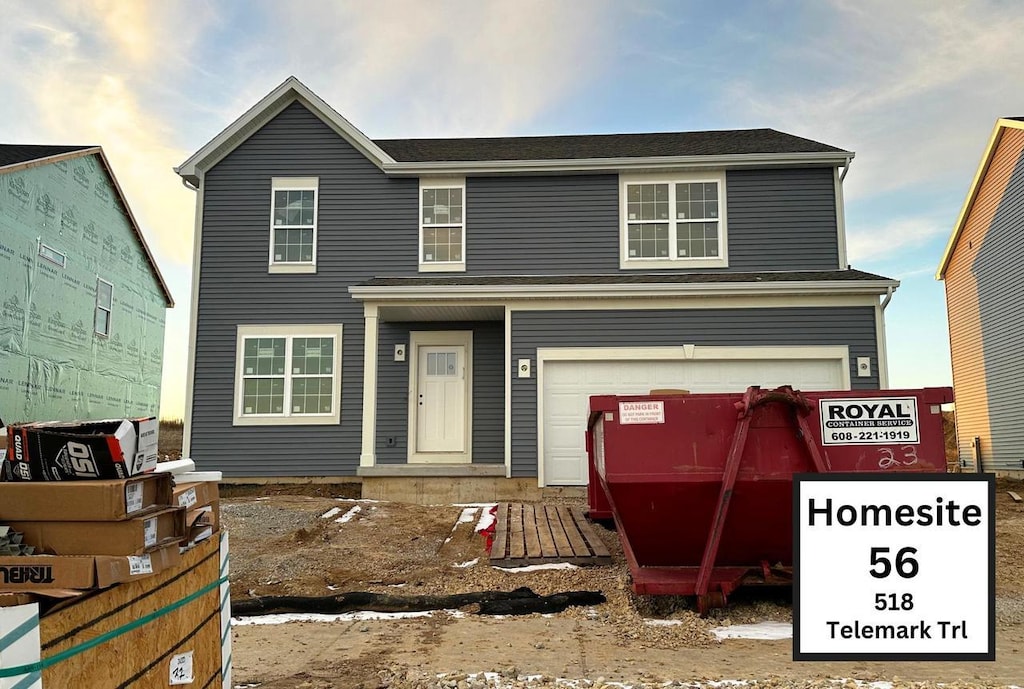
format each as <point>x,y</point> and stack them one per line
<point>576,153</point>
<point>14,157</point>
<point>1002,124</point>
<point>288,92</point>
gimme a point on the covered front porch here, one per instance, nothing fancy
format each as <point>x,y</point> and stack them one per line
<point>435,389</point>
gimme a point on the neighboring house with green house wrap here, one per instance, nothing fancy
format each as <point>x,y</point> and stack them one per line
<point>82,302</point>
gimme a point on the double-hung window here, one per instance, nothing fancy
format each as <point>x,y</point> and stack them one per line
<point>293,220</point>
<point>288,374</point>
<point>442,225</point>
<point>675,221</point>
<point>104,307</point>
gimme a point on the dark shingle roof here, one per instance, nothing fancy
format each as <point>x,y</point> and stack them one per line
<point>12,154</point>
<point>585,146</point>
<point>624,278</point>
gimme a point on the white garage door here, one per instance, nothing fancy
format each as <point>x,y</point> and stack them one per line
<point>568,386</point>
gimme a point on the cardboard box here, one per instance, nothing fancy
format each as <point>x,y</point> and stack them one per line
<point>193,495</point>
<point>114,570</point>
<point>86,501</point>
<point>41,572</point>
<point>58,451</point>
<point>8,600</point>
<point>127,537</point>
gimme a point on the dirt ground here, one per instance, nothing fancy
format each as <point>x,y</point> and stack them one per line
<point>281,544</point>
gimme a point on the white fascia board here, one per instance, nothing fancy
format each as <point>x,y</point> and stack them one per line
<point>412,169</point>
<point>441,292</point>
<point>270,105</point>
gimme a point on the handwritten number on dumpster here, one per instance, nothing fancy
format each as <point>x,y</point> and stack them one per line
<point>888,460</point>
<point>906,566</point>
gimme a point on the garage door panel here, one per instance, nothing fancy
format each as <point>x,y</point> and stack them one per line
<point>568,386</point>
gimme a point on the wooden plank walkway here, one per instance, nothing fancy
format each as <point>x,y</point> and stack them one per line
<point>542,534</point>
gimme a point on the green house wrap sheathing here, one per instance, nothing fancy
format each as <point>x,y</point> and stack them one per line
<point>53,365</point>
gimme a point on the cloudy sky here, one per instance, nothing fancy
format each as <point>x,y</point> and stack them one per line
<point>914,88</point>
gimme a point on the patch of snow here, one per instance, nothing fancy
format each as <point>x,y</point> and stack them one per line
<point>356,500</point>
<point>476,504</point>
<point>662,623</point>
<point>486,518</point>
<point>759,630</point>
<point>468,515</point>
<point>330,513</point>
<point>470,563</point>
<point>397,586</point>
<point>348,515</point>
<point>332,588</point>
<point>537,568</point>
<point>362,615</point>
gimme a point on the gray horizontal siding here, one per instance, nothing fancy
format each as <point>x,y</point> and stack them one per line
<point>542,225</point>
<point>999,271</point>
<point>852,327</point>
<point>364,230</point>
<point>776,220</point>
<point>488,390</point>
<point>782,220</point>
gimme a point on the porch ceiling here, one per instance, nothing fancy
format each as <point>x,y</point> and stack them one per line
<point>440,312</point>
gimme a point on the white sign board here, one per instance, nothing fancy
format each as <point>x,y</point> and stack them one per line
<point>869,421</point>
<point>894,567</point>
<point>180,671</point>
<point>641,412</point>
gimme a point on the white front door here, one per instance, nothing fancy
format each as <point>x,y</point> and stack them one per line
<point>440,398</point>
<point>441,401</point>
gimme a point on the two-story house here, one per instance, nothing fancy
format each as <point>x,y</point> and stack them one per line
<point>440,309</point>
<point>82,302</point>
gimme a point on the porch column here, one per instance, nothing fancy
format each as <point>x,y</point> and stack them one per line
<point>367,456</point>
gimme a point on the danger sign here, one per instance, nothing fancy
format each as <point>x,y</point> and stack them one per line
<point>641,412</point>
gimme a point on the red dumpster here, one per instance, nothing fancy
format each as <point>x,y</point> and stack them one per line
<point>700,486</point>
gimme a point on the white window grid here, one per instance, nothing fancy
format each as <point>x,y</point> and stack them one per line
<point>428,221</point>
<point>293,230</point>
<point>672,221</point>
<point>289,376</point>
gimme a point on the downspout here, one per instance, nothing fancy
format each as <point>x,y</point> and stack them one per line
<point>883,354</point>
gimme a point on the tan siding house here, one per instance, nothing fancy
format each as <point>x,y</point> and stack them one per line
<point>983,273</point>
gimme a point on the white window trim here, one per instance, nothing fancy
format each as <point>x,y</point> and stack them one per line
<point>440,266</point>
<point>303,183</point>
<point>673,262</point>
<point>47,253</point>
<point>290,332</point>
<point>109,309</point>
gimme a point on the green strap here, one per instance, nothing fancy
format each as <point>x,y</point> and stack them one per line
<point>114,633</point>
